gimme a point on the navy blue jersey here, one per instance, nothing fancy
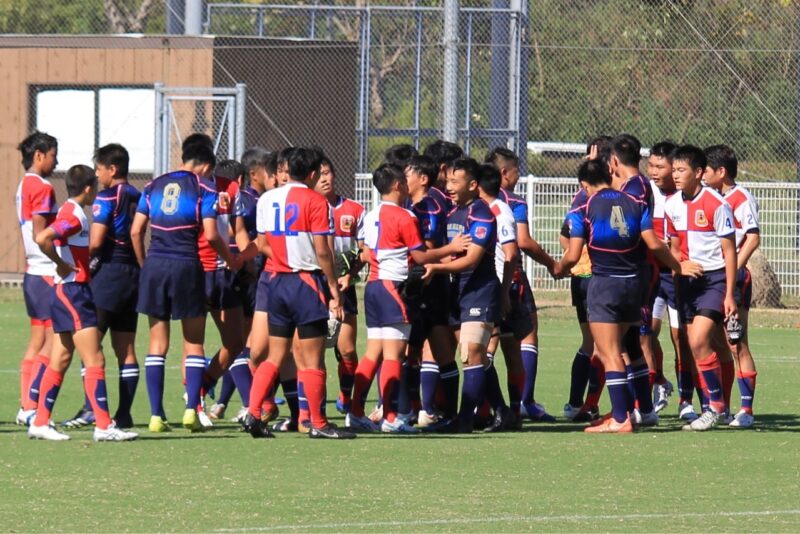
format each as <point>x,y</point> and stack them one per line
<point>246,209</point>
<point>431,213</point>
<point>114,208</point>
<point>477,220</point>
<point>441,197</point>
<point>578,200</point>
<point>611,222</point>
<point>518,205</point>
<point>639,188</point>
<point>176,204</point>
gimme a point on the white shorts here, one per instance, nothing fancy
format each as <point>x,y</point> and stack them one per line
<point>659,307</point>
<point>396,331</point>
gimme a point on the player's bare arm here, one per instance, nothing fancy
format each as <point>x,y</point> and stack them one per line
<point>325,258</point>
<point>248,249</point>
<point>752,240</point>
<point>138,230</point>
<point>570,257</point>
<point>459,244</point>
<point>45,241</point>
<point>728,245</point>
<point>662,253</point>
<point>234,263</point>
<point>469,261</point>
<point>97,235</point>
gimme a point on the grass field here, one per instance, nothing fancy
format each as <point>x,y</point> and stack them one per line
<point>547,478</point>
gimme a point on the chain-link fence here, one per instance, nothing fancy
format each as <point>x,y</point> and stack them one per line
<point>354,77</point>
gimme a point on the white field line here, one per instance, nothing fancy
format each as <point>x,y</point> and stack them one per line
<point>508,519</point>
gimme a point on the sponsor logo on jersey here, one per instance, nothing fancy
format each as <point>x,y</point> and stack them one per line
<point>95,210</point>
<point>346,222</point>
<point>481,232</point>
<point>474,312</point>
<point>700,219</point>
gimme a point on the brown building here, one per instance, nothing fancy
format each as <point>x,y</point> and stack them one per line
<point>285,100</point>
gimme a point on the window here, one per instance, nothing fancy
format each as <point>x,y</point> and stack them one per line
<point>85,118</point>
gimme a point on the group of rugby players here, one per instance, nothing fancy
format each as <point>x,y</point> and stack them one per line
<point>269,248</point>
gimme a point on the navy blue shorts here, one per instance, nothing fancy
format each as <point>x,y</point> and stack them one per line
<point>383,304</point>
<point>432,310</point>
<point>115,287</point>
<point>245,287</point>
<point>72,307</point>
<point>350,301</point>
<point>579,288</point>
<point>666,289</point>
<point>743,291</point>
<point>38,293</point>
<point>704,296</point>
<point>614,300</point>
<point>297,299</point>
<point>518,321</point>
<point>528,302</point>
<point>476,303</point>
<point>262,292</point>
<point>171,288</point>
<point>222,290</point>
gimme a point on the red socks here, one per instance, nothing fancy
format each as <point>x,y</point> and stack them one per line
<point>390,379</point>
<point>263,379</point>
<point>314,384</point>
<point>48,392</point>
<point>25,367</point>
<point>365,374</point>
<point>95,385</point>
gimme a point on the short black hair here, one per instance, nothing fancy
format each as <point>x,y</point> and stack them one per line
<point>327,161</point>
<point>113,154</point>
<point>690,154</point>
<point>385,176</point>
<point>489,179</point>
<point>400,154</point>
<point>255,157</point>
<point>628,149</point>
<point>303,161</point>
<point>78,177</point>
<point>443,152</point>
<point>36,142</point>
<point>283,156</point>
<point>500,155</point>
<point>199,153</point>
<point>663,149</point>
<point>425,166</point>
<point>230,169</point>
<point>603,144</point>
<point>470,167</point>
<point>594,172</point>
<point>198,138</point>
<point>718,156</point>
<point>271,163</point>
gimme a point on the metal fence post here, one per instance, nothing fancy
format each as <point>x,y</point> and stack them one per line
<point>450,86</point>
<point>241,103</point>
<point>158,156</point>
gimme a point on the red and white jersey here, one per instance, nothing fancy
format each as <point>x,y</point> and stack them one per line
<point>227,198</point>
<point>659,220</point>
<point>348,221</point>
<point>506,233</point>
<point>745,212</point>
<point>390,233</point>
<point>35,196</point>
<point>72,241</point>
<point>699,223</point>
<point>289,216</point>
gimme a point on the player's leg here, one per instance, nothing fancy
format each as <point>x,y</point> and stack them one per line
<point>608,340</point>
<point>52,378</point>
<point>154,372</point>
<point>727,369</point>
<point>473,339</point>
<point>347,354</point>
<point>745,374</point>
<point>123,341</point>
<point>194,331</point>
<point>700,332</point>
<point>529,348</point>
<point>37,292</point>
<point>394,340</point>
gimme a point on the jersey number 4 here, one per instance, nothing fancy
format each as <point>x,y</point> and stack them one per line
<point>171,198</point>
<point>618,221</point>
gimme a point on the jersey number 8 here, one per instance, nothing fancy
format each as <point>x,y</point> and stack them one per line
<point>618,221</point>
<point>169,202</point>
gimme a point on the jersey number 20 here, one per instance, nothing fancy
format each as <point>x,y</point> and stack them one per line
<point>169,202</point>
<point>618,221</point>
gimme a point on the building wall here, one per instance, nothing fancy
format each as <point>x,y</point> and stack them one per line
<point>76,61</point>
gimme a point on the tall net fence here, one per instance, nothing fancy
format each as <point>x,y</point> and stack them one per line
<point>538,76</point>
